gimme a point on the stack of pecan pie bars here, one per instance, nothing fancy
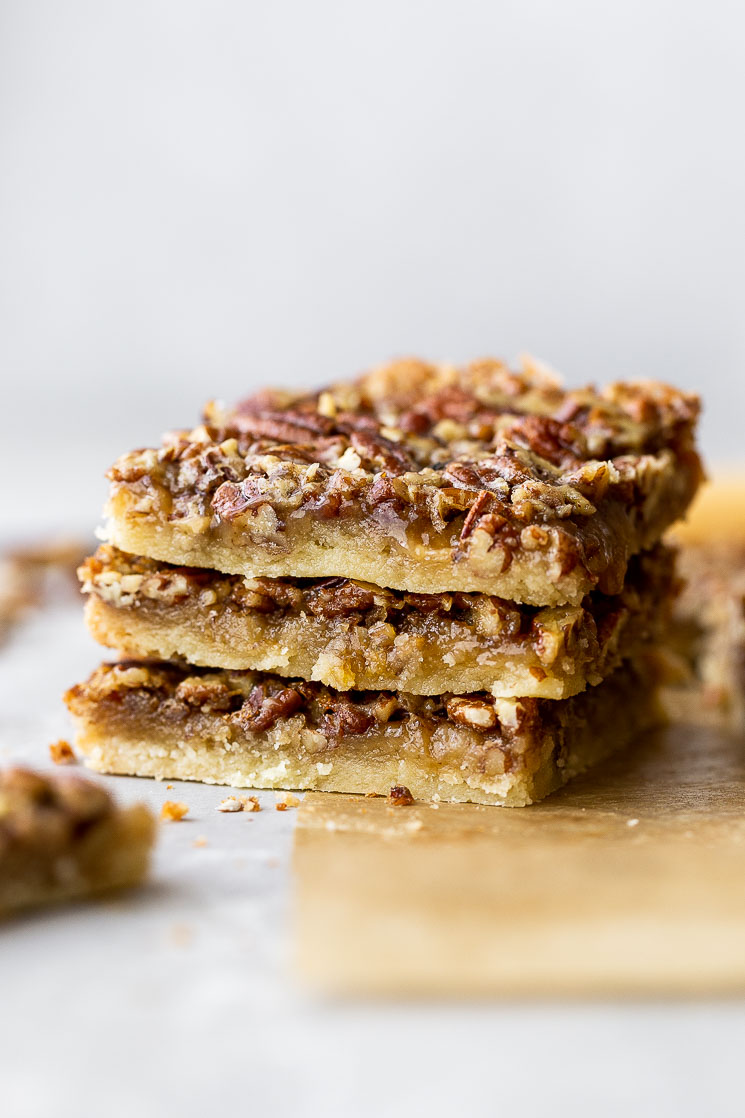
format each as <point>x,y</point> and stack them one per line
<point>448,579</point>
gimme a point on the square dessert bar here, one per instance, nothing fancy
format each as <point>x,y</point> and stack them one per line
<point>62,836</point>
<point>708,632</point>
<point>422,478</point>
<point>257,730</point>
<point>355,636</point>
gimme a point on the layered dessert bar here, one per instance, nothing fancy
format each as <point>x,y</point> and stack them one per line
<point>62,836</point>
<point>258,730</point>
<point>444,579</point>
<point>357,636</point>
<point>421,478</point>
<point>708,632</point>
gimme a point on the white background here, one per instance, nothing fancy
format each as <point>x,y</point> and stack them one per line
<point>196,198</point>
<point>199,197</point>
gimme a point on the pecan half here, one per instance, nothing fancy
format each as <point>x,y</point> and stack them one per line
<point>479,506</point>
<point>559,443</point>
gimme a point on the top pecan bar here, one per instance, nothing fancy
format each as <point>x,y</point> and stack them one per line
<point>422,478</point>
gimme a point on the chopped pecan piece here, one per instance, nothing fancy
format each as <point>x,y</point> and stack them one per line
<point>231,500</point>
<point>62,753</point>
<point>207,694</point>
<point>400,796</point>
<point>343,717</point>
<point>229,804</point>
<point>260,710</point>
<point>279,428</point>
<point>381,490</point>
<point>478,714</point>
<point>173,812</point>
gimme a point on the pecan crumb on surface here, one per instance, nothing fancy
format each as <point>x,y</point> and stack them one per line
<point>400,796</point>
<point>62,753</point>
<point>230,803</point>
<point>173,811</point>
<point>287,800</point>
<point>239,803</point>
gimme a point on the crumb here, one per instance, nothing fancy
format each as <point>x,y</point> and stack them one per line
<point>173,812</point>
<point>632,822</point>
<point>169,787</point>
<point>230,803</point>
<point>400,796</point>
<point>287,800</point>
<point>181,935</point>
<point>62,753</point>
<point>201,840</point>
<point>250,803</point>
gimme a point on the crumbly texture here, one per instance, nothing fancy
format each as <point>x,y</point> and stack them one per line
<point>353,635</point>
<point>62,836</point>
<point>260,731</point>
<point>62,753</point>
<point>421,478</point>
<point>173,811</point>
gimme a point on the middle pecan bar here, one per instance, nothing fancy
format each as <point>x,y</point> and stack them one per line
<point>352,635</point>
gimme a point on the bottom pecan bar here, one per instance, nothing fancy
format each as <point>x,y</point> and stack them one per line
<point>250,729</point>
<point>62,836</point>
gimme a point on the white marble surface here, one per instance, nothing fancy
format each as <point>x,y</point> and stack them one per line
<point>181,998</point>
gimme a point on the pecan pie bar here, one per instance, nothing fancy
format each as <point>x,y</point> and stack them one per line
<point>62,836</point>
<point>423,478</point>
<point>708,631</point>
<point>353,635</point>
<point>263,731</point>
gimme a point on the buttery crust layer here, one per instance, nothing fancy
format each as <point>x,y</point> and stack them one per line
<point>421,478</point>
<point>256,731</point>
<point>62,837</point>
<point>352,635</point>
